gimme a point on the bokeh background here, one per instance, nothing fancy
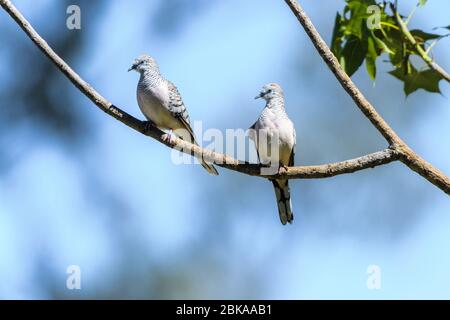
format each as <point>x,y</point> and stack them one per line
<point>79,188</point>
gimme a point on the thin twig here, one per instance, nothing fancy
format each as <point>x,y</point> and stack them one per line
<point>421,51</point>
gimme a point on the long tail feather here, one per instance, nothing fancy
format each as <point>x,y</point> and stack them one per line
<point>209,167</point>
<point>283,195</point>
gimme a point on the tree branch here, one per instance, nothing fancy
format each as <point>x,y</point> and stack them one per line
<point>329,170</point>
<point>300,172</point>
<point>408,156</point>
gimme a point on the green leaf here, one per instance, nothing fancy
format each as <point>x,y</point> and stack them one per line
<point>358,16</point>
<point>336,39</point>
<point>353,54</point>
<point>394,40</point>
<point>371,58</point>
<point>422,36</point>
<point>353,43</point>
<point>380,45</point>
<point>390,39</point>
<point>413,80</point>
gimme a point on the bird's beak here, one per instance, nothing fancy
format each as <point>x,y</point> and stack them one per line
<point>259,96</point>
<point>132,67</point>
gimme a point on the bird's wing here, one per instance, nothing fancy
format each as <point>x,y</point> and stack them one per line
<point>291,158</point>
<point>254,136</point>
<point>177,108</point>
<point>179,111</point>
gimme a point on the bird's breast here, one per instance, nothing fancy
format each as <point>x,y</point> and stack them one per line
<point>274,135</point>
<point>153,106</point>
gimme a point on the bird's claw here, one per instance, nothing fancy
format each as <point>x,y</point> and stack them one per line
<point>168,138</point>
<point>282,170</point>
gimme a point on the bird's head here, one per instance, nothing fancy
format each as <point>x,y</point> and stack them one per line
<point>270,91</point>
<point>144,63</point>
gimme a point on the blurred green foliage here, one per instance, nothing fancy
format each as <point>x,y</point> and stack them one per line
<point>367,29</point>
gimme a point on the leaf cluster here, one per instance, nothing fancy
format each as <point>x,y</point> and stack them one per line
<point>366,29</point>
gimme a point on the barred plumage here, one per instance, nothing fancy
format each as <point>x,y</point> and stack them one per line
<point>176,105</point>
<point>274,131</point>
<point>160,102</point>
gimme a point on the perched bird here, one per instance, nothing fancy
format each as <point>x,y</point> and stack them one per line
<point>275,132</point>
<point>161,103</point>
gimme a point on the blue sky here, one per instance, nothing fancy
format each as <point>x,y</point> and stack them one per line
<point>59,207</point>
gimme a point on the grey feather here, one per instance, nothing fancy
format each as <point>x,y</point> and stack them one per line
<point>161,102</point>
<point>176,105</point>
<point>274,127</point>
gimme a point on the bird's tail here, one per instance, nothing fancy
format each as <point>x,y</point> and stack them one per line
<point>283,200</point>
<point>209,167</point>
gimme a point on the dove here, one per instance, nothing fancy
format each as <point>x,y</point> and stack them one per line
<point>161,103</point>
<point>275,131</point>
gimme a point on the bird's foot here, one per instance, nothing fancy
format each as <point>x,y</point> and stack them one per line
<point>168,138</point>
<point>282,170</point>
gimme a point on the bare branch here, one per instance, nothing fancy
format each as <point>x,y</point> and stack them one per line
<point>408,156</point>
<point>300,172</point>
<point>329,170</point>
